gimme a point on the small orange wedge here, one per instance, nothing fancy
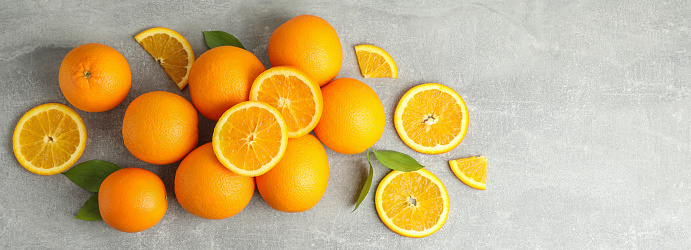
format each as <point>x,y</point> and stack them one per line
<point>472,171</point>
<point>413,204</point>
<point>294,94</point>
<point>250,138</point>
<point>171,50</point>
<point>49,139</point>
<point>375,62</point>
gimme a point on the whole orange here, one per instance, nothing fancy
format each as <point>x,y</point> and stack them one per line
<point>353,116</point>
<point>132,200</point>
<point>160,127</point>
<point>299,180</point>
<point>221,78</point>
<point>309,43</point>
<point>205,188</point>
<point>94,77</point>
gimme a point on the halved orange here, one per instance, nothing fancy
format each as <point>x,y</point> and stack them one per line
<point>171,50</point>
<point>431,118</point>
<point>413,204</point>
<point>294,94</point>
<point>250,138</point>
<point>375,62</point>
<point>472,171</point>
<point>49,139</point>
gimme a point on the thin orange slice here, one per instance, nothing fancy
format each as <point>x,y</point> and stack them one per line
<point>472,171</point>
<point>294,94</point>
<point>250,138</point>
<point>431,118</point>
<point>49,139</point>
<point>375,62</point>
<point>171,50</point>
<point>413,204</point>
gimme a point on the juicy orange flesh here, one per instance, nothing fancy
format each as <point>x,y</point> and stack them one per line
<point>373,65</point>
<point>169,52</point>
<point>296,110</point>
<point>250,138</point>
<point>49,139</point>
<point>432,118</point>
<point>397,202</point>
<point>475,168</point>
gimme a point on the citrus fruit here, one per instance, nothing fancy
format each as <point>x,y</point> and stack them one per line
<point>310,44</point>
<point>472,171</point>
<point>299,180</point>
<point>94,77</point>
<point>431,118</point>
<point>132,200</point>
<point>49,139</point>
<point>413,204</point>
<point>294,94</point>
<point>250,138</point>
<point>171,50</point>
<point>205,188</point>
<point>221,78</point>
<point>353,116</point>
<point>375,62</point>
<point>160,127</point>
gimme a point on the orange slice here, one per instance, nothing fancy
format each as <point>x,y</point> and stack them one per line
<point>413,204</point>
<point>294,94</point>
<point>171,50</point>
<point>375,62</point>
<point>431,118</point>
<point>49,139</point>
<point>472,171</point>
<point>250,138</point>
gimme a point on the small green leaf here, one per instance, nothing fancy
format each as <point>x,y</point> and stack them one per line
<point>89,174</point>
<point>89,211</point>
<point>368,184</point>
<point>220,38</point>
<point>397,160</point>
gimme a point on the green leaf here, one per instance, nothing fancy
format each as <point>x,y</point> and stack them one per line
<point>89,174</point>
<point>220,38</point>
<point>397,160</point>
<point>89,211</point>
<point>368,184</point>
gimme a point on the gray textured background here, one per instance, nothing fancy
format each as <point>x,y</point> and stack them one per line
<point>581,107</point>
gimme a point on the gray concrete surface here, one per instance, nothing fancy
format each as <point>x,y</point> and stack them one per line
<point>581,107</point>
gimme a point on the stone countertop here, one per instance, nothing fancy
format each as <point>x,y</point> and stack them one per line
<point>583,109</point>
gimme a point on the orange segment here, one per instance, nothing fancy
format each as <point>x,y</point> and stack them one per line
<point>250,138</point>
<point>49,139</point>
<point>171,50</point>
<point>413,204</point>
<point>375,62</point>
<point>431,118</point>
<point>472,171</point>
<point>294,94</point>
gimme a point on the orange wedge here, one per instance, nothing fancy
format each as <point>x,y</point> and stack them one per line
<point>49,139</point>
<point>413,204</point>
<point>472,171</point>
<point>431,118</point>
<point>171,50</point>
<point>250,138</point>
<point>375,62</point>
<point>294,94</point>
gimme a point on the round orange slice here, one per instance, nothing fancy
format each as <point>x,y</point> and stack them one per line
<point>294,94</point>
<point>431,118</point>
<point>250,138</point>
<point>171,50</point>
<point>49,139</point>
<point>375,62</point>
<point>472,171</point>
<point>413,204</point>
